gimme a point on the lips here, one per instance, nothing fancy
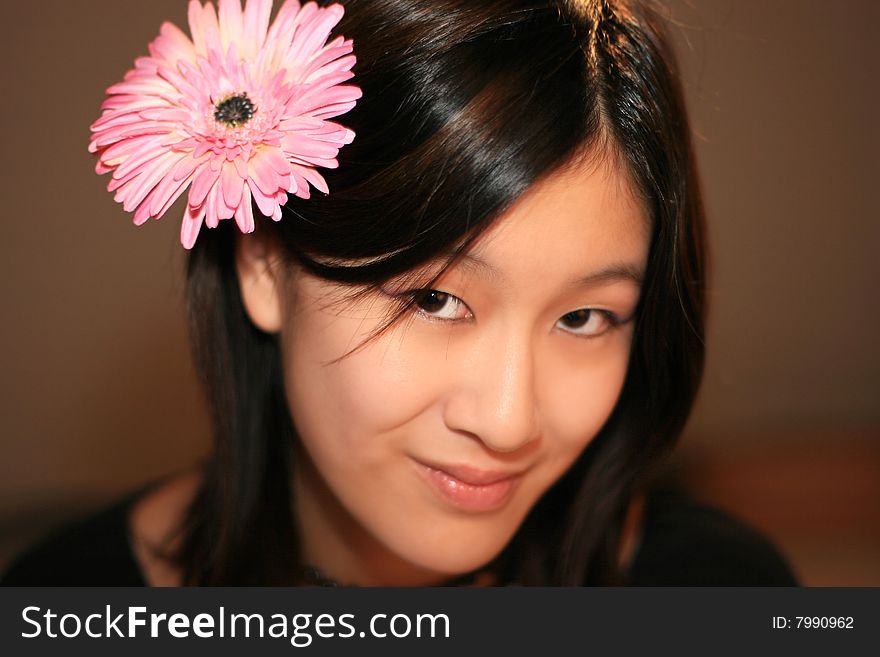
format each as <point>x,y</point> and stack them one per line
<point>468,488</point>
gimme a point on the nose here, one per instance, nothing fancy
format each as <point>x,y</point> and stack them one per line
<point>494,397</point>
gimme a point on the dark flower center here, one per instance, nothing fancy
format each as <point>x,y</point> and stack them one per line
<point>235,110</point>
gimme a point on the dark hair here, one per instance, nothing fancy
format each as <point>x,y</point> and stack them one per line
<point>465,105</point>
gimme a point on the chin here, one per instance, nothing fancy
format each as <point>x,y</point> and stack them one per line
<point>454,553</point>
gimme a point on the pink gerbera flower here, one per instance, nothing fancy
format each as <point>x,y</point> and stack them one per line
<point>238,113</point>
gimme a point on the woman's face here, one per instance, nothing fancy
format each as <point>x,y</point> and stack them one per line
<point>423,451</point>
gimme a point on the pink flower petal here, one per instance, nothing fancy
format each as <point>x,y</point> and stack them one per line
<point>165,114</point>
<point>331,111</point>
<point>261,172</point>
<point>107,137</point>
<point>202,148</point>
<point>256,22</point>
<point>313,162</point>
<point>212,33</point>
<point>184,168</point>
<point>141,214</point>
<point>317,103</point>
<point>275,159</point>
<point>192,221</point>
<point>212,217</point>
<point>133,192</point>
<point>315,29</point>
<point>232,185</point>
<point>284,24</point>
<point>264,202</point>
<point>336,54</point>
<point>172,44</point>
<point>153,86</point>
<point>241,167</point>
<point>148,151</point>
<point>306,147</point>
<point>244,213</point>
<point>230,22</point>
<point>165,194</point>
<point>301,187</point>
<point>312,176</point>
<point>202,184</point>
<point>113,119</point>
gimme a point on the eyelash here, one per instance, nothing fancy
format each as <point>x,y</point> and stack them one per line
<point>609,317</point>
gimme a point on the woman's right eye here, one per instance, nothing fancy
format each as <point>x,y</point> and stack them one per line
<point>440,305</point>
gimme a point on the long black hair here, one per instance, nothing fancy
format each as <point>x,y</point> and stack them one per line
<point>465,105</point>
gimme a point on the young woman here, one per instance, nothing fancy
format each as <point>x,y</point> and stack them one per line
<point>461,364</point>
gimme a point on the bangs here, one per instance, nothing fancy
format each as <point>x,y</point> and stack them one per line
<point>446,140</point>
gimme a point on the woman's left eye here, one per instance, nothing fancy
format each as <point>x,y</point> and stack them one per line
<point>588,322</point>
<point>440,305</point>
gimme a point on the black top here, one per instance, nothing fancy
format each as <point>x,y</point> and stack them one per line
<point>683,544</point>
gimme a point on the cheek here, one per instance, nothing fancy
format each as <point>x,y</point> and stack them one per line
<point>580,395</point>
<point>367,393</point>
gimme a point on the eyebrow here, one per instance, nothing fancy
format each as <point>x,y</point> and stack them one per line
<point>610,274</point>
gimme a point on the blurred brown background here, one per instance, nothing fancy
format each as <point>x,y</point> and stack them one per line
<point>98,396</point>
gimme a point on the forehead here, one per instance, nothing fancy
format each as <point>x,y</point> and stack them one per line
<point>581,219</point>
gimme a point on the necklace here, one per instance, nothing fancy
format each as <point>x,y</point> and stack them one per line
<point>312,576</point>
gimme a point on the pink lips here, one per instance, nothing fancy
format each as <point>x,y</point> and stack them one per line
<point>470,489</point>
